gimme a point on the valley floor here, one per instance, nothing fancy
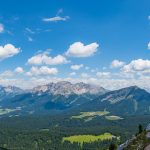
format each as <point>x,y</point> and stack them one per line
<point>60,132</point>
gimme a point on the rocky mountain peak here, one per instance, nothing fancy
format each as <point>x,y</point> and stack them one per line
<point>67,88</point>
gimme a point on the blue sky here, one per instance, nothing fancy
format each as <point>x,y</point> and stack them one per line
<point>102,42</point>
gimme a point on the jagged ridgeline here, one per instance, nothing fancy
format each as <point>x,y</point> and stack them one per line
<point>64,96</point>
<point>46,98</point>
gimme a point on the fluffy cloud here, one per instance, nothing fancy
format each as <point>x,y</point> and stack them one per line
<point>78,49</point>
<point>138,65</point>
<point>7,74</point>
<point>44,70</point>
<point>76,67</point>
<point>107,83</point>
<point>103,74</point>
<point>38,78</point>
<point>1,28</point>
<point>45,59</point>
<point>8,50</point>
<point>19,70</point>
<point>117,64</point>
<point>56,19</point>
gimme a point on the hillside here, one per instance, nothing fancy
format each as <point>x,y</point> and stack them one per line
<point>70,98</point>
<point>141,141</point>
<point>127,101</point>
<point>49,98</point>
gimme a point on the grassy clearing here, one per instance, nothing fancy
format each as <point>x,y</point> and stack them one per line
<point>45,130</point>
<point>90,114</point>
<point>113,118</point>
<point>6,111</point>
<point>88,138</point>
<point>89,119</point>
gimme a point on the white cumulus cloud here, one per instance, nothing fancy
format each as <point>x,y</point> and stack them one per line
<point>19,70</point>
<point>44,70</point>
<point>76,67</point>
<point>103,74</point>
<point>8,50</point>
<point>7,74</point>
<point>117,64</point>
<point>44,58</point>
<point>138,65</point>
<point>78,49</point>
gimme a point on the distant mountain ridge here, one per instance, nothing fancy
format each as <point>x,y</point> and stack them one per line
<point>50,97</point>
<point>77,97</point>
<point>127,101</point>
<point>9,91</point>
<point>67,88</point>
<point>125,93</point>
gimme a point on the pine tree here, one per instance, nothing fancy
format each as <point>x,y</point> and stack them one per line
<point>112,146</point>
<point>140,128</point>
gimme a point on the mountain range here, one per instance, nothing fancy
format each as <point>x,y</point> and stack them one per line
<point>80,97</point>
<point>126,101</point>
<point>66,88</point>
<point>47,98</point>
<point>9,91</point>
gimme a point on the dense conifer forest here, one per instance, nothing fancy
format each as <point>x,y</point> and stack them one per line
<point>47,132</point>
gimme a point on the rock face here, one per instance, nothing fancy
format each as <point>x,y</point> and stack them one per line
<point>148,127</point>
<point>67,88</point>
<point>147,147</point>
<point>9,91</point>
<point>132,92</point>
<point>13,89</point>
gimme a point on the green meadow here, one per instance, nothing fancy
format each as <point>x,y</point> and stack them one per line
<point>113,118</point>
<point>88,138</point>
<point>90,114</point>
<point>6,111</point>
